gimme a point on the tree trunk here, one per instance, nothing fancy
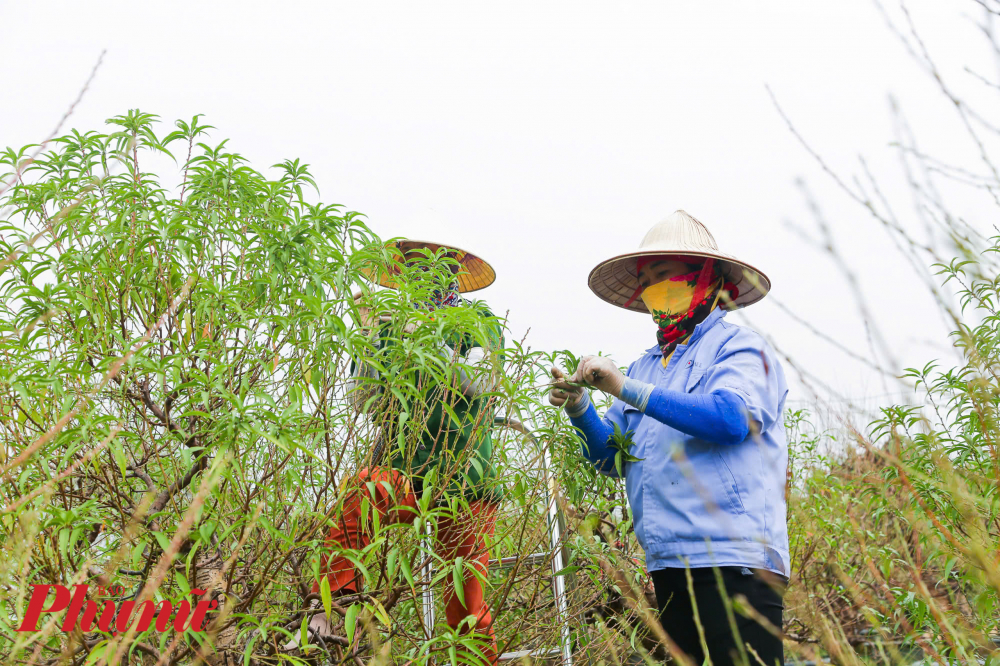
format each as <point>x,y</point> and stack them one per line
<point>208,576</point>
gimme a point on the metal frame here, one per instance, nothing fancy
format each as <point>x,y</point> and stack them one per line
<point>555,541</point>
<point>427,596</point>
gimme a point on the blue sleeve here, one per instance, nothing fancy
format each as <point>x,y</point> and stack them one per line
<point>747,366</point>
<point>719,417</point>
<point>596,433</point>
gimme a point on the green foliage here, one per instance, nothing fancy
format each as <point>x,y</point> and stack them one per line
<point>180,329</point>
<point>917,498</point>
<point>175,413</point>
<point>622,444</point>
<point>177,330</point>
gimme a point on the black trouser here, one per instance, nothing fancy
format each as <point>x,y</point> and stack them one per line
<point>763,591</point>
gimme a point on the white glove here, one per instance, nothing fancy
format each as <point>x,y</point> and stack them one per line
<point>601,373</point>
<point>317,624</point>
<point>368,320</point>
<point>321,625</point>
<point>564,395</point>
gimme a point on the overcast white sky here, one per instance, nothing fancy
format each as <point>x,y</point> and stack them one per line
<point>547,136</point>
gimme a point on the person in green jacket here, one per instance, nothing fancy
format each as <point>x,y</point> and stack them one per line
<point>457,455</point>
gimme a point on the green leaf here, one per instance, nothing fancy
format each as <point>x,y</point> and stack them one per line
<point>205,531</point>
<point>96,653</point>
<point>399,396</point>
<point>324,593</point>
<point>182,583</point>
<point>458,577</point>
<point>622,443</point>
<point>248,651</point>
<point>565,571</point>
<point>350,620</point>
<point>137,553</point>
<point>390,564</point>
<point>404,566</point>
<point>304,631</point>
<point>382,614</point>
<point>451,414</point>
<point>64,542</point>
<point>119,454</point>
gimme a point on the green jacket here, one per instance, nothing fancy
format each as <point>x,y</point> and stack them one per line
<point>463,449</point>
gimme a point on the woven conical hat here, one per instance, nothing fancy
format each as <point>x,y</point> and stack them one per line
<point>615,280</point>
<point>476,274</point>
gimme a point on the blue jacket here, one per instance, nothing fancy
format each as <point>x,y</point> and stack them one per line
<point>693,500</point>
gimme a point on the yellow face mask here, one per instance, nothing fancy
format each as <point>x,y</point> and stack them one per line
<point>668,297</point>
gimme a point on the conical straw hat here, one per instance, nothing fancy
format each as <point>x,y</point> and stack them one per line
<point>476,274</point>
<point>615,280</point>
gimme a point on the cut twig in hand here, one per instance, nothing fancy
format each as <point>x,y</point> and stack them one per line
<point>569,383</point>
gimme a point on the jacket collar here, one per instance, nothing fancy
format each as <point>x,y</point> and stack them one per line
<point>714,317</point>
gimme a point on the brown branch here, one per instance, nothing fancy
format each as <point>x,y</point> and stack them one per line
<point>177,486</point>
<point>19,169</point>
<point>83,402</point>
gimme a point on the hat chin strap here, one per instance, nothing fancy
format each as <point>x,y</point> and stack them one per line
<point>635,295</point>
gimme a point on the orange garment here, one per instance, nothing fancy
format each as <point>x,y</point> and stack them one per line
<point>458,536</point>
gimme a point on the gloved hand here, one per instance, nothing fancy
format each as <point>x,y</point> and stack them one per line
<point>562,394</point>
<point>318,624</point>
<point>321,625</point>
<point>601,373</point>
<point>367,319</point>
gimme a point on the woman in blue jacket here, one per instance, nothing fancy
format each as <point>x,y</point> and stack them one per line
<point>704,407</point>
